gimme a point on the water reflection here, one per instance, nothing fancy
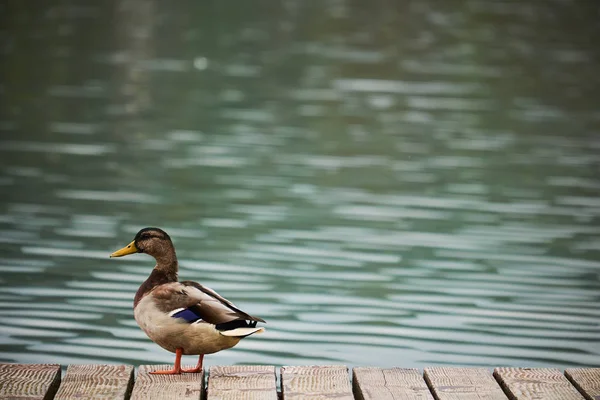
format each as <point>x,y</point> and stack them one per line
<point>413,182</point>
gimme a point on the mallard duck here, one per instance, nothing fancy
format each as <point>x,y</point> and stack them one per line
<point>183,317</point>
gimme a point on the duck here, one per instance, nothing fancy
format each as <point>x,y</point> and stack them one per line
<point>184,317</point>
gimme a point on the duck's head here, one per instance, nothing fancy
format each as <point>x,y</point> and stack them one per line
<point>152,241</point>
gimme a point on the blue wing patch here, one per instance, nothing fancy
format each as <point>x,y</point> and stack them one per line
<point>188,314</point>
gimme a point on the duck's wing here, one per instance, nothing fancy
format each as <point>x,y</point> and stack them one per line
<point>193,302</point>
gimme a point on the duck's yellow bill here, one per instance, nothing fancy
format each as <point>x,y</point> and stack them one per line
<point>129,249</point>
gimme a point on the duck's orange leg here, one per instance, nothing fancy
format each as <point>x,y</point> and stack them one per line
<point>198,367</point>
<point>176,368</point>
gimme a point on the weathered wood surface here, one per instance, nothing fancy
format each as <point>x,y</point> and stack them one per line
<point>167,387</point>
<point>389,384</point>
<point>586,380</point>
<point>536,383</point>
<point>454,383</point>
<point>98,382</point>
<point>41,381</point>
<point>242,382</point>
<point>316,383</point>
<point>29,381</point>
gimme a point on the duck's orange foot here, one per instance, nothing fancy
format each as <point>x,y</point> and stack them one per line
<point>192,370</point>
<point>197,368</point>
<point>176,367</point>
<point>174,371</point>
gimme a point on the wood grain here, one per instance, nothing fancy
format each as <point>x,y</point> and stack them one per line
<point>536,383</point>
<point>29,381</point>
<point>242,382</point>
<point>96,382</point>
<point>316,383</point>
<point>586,380</point>
<point>454,383</point>
<point>389,384</point>
<point>167,387</point>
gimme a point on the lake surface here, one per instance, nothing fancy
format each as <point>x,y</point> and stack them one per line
<point>393,184</point>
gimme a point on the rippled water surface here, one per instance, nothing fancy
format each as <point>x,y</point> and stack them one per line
<point>391,183</point>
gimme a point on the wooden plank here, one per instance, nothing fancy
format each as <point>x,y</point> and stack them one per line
<point>536,383</point>
<point>242,382</point>
<point>29,381</point>
<point>586,380</point>
<point>454,383</point>
<point>316,382</point>
<point>96,382</point>
<point>167,387</point>
<point>389,384</point>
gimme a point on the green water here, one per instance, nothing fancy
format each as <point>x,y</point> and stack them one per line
<point>392,183</point>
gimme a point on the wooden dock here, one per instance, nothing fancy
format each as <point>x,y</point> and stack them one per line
<point>44,381</point>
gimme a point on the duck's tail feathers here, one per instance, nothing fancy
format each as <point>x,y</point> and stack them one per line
<point>242,332</point>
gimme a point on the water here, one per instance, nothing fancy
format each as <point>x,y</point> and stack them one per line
<point>408,184</point>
